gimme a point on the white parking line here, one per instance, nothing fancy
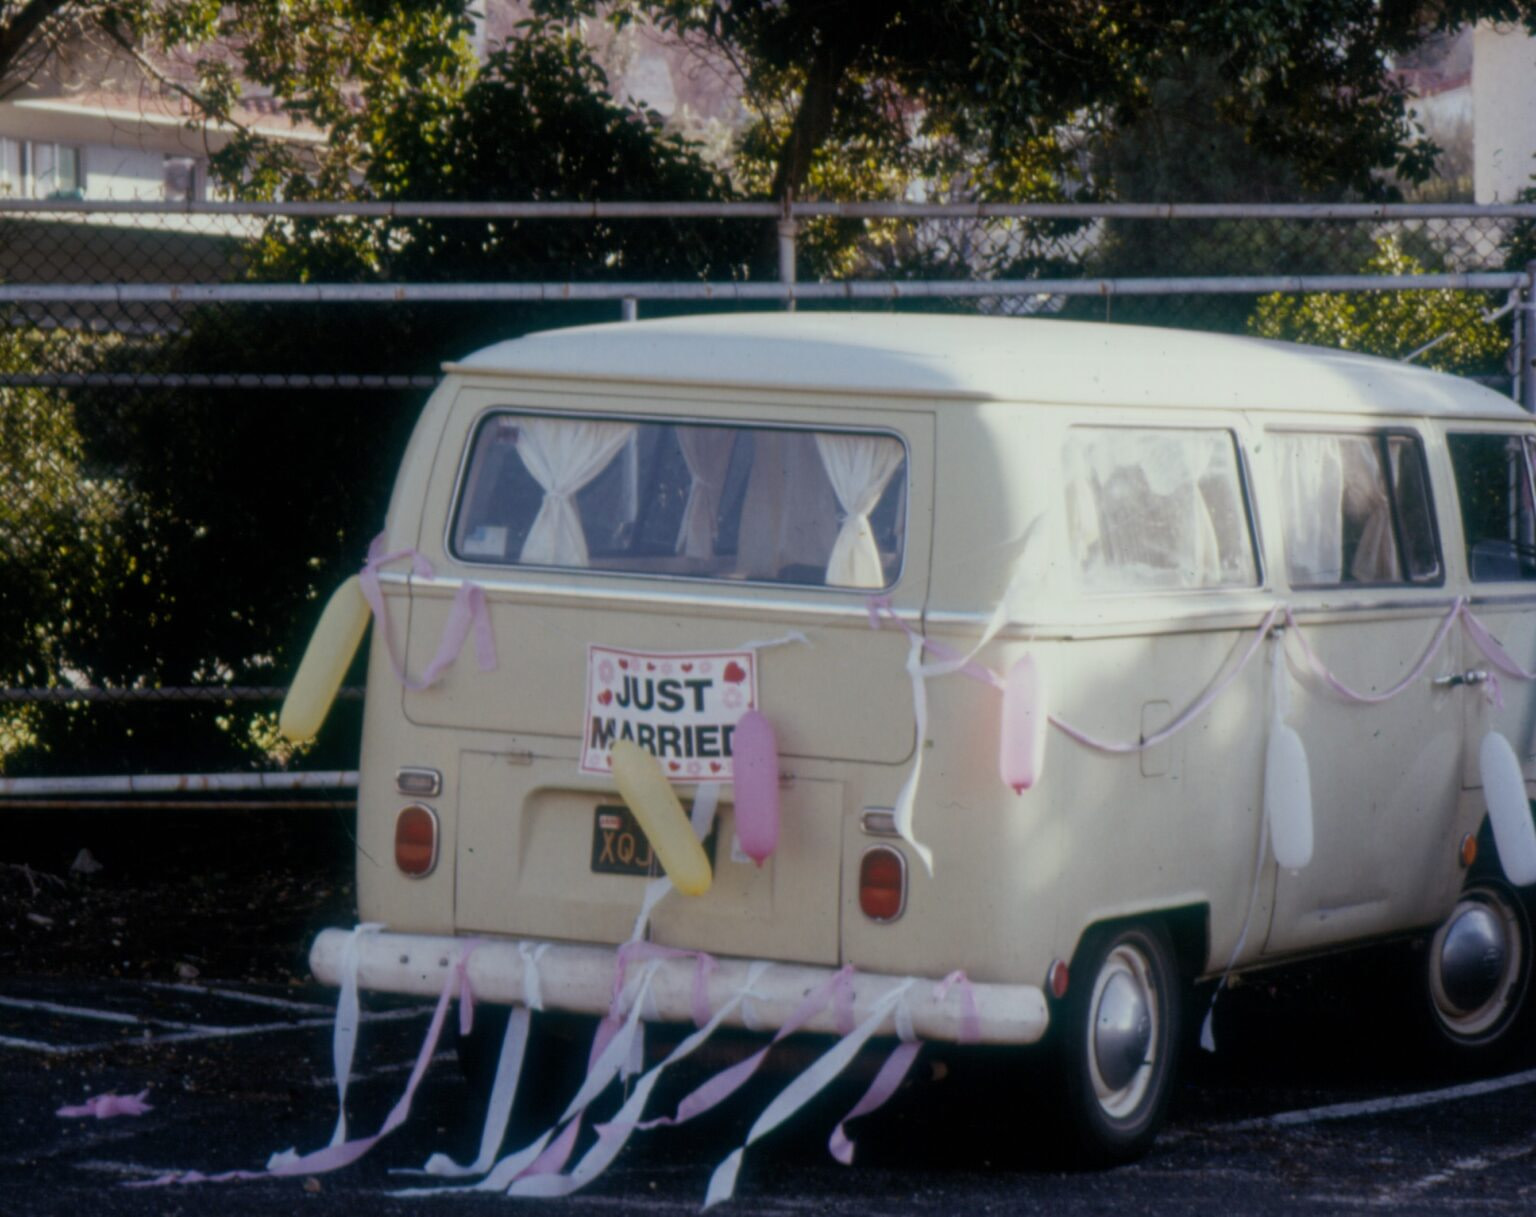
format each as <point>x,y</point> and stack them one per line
<point>157,1030</point>
<point>48,1007</point>
<point>1371,1107</point>
<point>255,999</point>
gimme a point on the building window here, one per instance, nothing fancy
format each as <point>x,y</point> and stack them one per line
<point>57,171</point>
<point>10,167</point>
<point>184,179</point>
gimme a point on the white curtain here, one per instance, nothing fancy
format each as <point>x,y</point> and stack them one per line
<point>1312,491</point>
<point>1367,507</point>
<point>563,456</point>
<point>858,467</point>
<point>1335,491</point>
<point>707,453</point>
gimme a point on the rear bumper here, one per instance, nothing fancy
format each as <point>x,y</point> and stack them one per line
<point>580,979</point>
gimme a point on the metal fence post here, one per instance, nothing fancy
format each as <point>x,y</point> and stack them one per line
<point>787,258</point>
<point>629,309</point>
<point>1525,340</point>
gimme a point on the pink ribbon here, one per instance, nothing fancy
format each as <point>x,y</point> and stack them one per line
<point>880,606</point>
<point>334,1157</point>
<point>899,1063</point>
<point>105,1106</point>
<point>1494,652</point>
<point>970,1016</point>
<point>1458,607</point>
<point>886,1083</point>
<point>467,613</point>
<point>728,1081</point>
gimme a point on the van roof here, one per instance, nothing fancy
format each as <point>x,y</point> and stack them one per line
<point>987,359</point>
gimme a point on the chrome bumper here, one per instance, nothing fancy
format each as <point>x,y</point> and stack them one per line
<point>580,979</point>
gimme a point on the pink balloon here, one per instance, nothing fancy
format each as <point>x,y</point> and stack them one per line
<point>1021,749</point>
<point>755,764</point>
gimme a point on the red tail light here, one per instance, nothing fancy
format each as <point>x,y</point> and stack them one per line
<point>416,840</point>
<point>882,883</point>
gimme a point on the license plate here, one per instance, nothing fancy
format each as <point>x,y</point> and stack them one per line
<point>620,846</point>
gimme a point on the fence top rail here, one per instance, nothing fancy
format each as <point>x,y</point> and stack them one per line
<point>907,289</point>
<point>60,208</point>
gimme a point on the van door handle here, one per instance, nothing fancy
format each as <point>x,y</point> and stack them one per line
<point>1473,676</point>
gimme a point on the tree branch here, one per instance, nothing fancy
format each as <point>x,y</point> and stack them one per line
<point>22,31</point>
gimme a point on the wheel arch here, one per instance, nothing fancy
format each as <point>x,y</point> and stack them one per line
<point>1188,927</point>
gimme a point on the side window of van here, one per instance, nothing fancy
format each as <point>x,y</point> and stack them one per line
<point>1355,508</point>
<point>1157,509</point>
<point>1493,485</point>
<point>780,505</point>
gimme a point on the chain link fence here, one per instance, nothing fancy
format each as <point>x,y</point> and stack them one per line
<point>202,406</point>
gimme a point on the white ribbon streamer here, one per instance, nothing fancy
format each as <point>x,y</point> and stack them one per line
<point>722,1184</point>
<point>348,1016</point>
<point>498,1112</point>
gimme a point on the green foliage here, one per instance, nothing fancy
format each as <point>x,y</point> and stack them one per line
<point>929,89</point>
<point>238,511</point>
<point>1391,323</point>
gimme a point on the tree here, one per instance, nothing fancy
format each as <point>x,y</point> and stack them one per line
<point>243,509</point>
<point>994,83</point>
<point>1391,323</point>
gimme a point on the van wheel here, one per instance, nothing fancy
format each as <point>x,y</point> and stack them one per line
<point>1478,969</point>
<point>1118,1035</point>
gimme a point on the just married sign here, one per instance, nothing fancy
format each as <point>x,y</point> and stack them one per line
<point>681,707</point>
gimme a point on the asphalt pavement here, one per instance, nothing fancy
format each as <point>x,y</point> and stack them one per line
<point>1319,1099</point>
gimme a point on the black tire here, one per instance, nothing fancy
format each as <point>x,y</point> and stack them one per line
<point>1116,1042</point>
<point>1476,973</point>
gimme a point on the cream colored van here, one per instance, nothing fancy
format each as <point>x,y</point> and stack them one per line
<point>1272,601</point>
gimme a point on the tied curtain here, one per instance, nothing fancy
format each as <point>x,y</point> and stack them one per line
<point>707,453</point>
<point>1335,492</point>
<point>858,468</point>
<point>563,456</point>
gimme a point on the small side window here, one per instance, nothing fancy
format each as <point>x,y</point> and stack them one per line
<point>1493,486</point>
<point>1356,509</point>
<point>1152,509</point>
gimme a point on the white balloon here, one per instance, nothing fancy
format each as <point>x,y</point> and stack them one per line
<point>1288,796</point>
<point>1509,810</point>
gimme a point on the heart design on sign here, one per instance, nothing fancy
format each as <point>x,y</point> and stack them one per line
<point>605,697</point>
<point>674,766</point>
<point>734,673</point>
<point>624,663</point>
<point>687,667</point>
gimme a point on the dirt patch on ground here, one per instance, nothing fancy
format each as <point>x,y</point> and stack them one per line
<point>168,895</point>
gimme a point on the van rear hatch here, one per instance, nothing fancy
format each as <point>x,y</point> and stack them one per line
<point>756,546</point>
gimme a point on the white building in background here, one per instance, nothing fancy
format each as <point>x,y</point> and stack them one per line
<point>1504,111</point>
<point>122,137</point>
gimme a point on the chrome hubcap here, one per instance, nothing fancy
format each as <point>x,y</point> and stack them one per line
<point>1473,958</point>
<point>1122,1030</point>
<point>1477,965</point>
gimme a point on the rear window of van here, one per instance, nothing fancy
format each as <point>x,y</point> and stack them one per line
<point>686,499</point>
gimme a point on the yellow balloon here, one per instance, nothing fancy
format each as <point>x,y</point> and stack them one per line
<point>650,796</point>
<point>325,663</point>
